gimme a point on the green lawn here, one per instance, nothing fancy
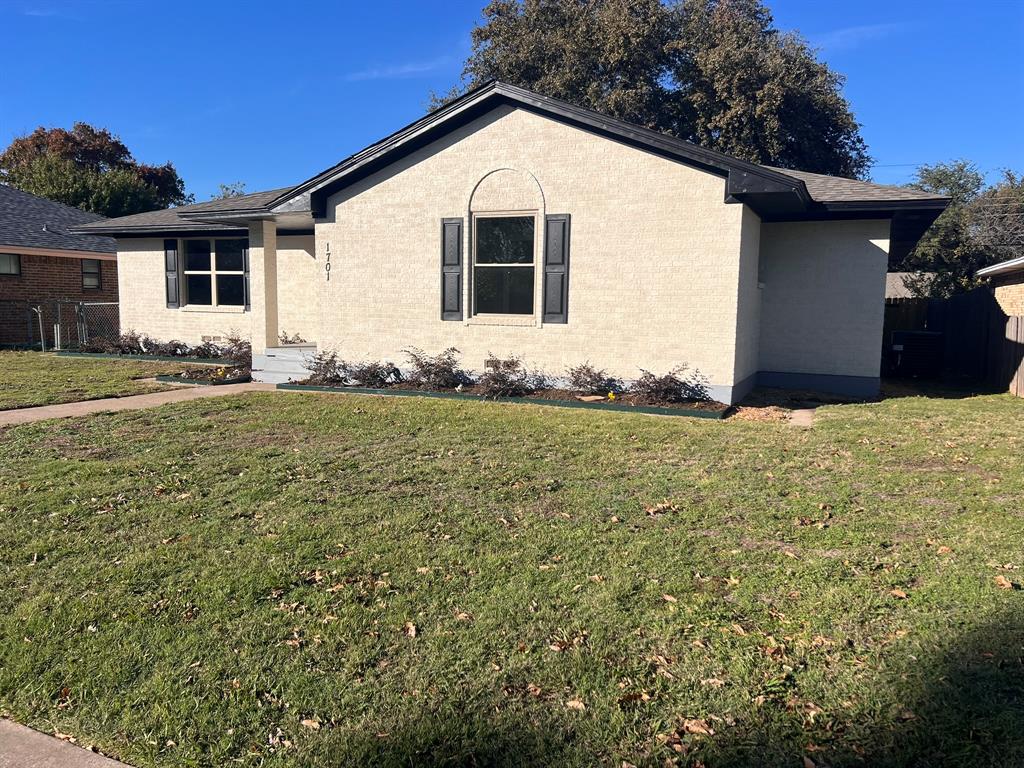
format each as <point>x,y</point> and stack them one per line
<point>34,378</point>
<point>298,580</point>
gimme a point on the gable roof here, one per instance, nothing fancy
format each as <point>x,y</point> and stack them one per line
<point>29,221</point>
<point>174,219</point>
<point>774,193</point>
<point>836,189</point>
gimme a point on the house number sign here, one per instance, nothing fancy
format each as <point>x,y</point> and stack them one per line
<point>327,264</point>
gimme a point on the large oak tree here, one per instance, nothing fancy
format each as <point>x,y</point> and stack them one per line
<point>715,72</point>
<point>91,169</point>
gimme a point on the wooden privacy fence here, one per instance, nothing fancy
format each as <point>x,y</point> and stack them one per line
<point>1006,354</point>
<point>971,335</point>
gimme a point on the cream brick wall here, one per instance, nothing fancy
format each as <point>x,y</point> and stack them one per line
<point>297,275</point>
<point>823,299</point>
<point>654,254</point>
<point>1009,291</point>
<point>143,305</point>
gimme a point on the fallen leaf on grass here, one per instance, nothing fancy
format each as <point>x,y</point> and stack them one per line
<point>634,698</point>
<point>312,723</point>
<point>944,550</point>
<point>714,682</point>
<point>409,629</point>
<point>576,704</point>
<point>899,594</point>
<point>534,690</point>
<point>1004,583</point>
<point>669,599</point>
<point>698,726</point>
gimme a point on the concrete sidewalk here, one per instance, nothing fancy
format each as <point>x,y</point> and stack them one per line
<point>22,747</point>
<point>130,403</point>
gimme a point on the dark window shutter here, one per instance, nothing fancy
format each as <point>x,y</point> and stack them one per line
<point>171,270</point>
<point>556,268</point>
<point>245,268</point>
<point>451,269</point>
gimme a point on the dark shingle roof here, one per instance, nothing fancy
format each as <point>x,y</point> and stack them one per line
<point>35,222</point>
<point>836,189</point>
<point>171,219</point>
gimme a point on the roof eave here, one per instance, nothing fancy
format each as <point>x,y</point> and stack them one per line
<point>1002,268</point>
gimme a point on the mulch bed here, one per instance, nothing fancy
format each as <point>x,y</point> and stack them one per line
<point>213,375</point>
<point>559,395</point>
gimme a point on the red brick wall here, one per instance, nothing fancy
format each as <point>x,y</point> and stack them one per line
<point>45,280</point>
<point>52,277</point>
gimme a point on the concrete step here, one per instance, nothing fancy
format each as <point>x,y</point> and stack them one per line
<point>279,365</point>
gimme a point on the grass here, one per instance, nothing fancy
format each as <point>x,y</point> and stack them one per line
<point>296,580</point>
<point>34,378</point>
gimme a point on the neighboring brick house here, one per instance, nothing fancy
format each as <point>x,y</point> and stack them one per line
<point>1007,280</point>
<point>509,223</point>
<point>42,262</point>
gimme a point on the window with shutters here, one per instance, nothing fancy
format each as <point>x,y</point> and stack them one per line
<point>214,271</point>
<point>504,264</point>
<point>91,274</point>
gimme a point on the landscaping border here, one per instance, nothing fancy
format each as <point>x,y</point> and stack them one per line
<point>650,409</point>
<point>172,379</point>
<point>149,358</point>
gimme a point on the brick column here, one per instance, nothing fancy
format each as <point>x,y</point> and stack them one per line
<point>263,284</point>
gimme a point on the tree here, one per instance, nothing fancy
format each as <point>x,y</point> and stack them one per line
<point>91,169</point>
<point>997,217</point>
<point>978,228</point>
<point>234,189</point>
<point>715,72</point>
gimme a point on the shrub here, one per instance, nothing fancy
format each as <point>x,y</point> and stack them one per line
<point>172,348</point>
<point>508,378</point>
<point>325,369</point>
<point>374,374</point>
<point>673,387</point>
<point>436,371</point>
<point>207,350</point>
<point>585,379</point>
<point>237,350</point>
<point>295,338</point>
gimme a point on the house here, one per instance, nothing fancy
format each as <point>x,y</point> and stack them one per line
<point>1007,281</point>
<point>43,261</point>
<point>896,284</point>
<point>508,223</point>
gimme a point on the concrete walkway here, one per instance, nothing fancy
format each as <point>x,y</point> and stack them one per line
<point>802,417</point>
<point>130,403</point>
<point>21,747</point>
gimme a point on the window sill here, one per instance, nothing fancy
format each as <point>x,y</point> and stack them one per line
<point>521,321</point>
<point>227,310</point>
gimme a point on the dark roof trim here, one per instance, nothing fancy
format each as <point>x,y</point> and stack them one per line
<point>744,179</point>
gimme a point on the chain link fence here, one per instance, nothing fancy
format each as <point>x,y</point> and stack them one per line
<point>55,323</point>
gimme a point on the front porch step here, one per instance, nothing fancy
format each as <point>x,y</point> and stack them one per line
<point>279,365</point>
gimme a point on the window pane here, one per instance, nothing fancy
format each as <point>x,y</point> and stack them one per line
<point>230,290</point>
<point>229,255</point>
<point>198,289</point>
<point>504,290</point>
<point>197,256</point>
<point>10,264</point>
<point>504,240</point>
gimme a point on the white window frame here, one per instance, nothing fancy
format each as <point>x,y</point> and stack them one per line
<point>213,272</point>
<point>535,265</point>
<point>15,259</point>
<point>98,274</point>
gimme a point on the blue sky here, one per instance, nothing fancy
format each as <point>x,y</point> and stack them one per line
<point>271,93</point>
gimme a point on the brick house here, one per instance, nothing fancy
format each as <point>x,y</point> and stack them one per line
<point>42,261</point>
<point>508,223</point>
<point>1007,281</point>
